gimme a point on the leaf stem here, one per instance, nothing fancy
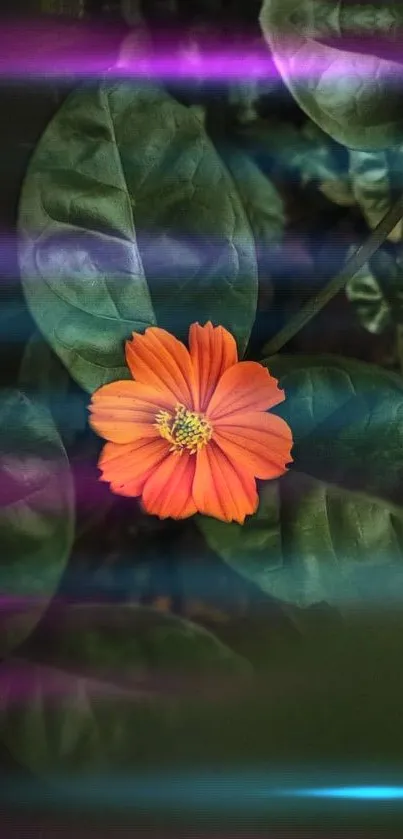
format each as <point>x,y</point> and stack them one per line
<point>352,266</point>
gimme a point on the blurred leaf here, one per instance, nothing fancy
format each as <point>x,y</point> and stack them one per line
<point>128,216</point>
<point>318,159</point>
<point>377,291</point>
<point>332,528</point>
<point>327,163</point>
<point>104,746</point>
<point>366,294</point>
<point>98,687</point>
<point>375,177</point>
<point>36,515</point>
<point>307,152</point>
<point>43,374</point>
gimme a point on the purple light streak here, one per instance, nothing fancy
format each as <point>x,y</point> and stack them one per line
<point>222,66</point>
<point>66,50</point>
<point>23,680</point>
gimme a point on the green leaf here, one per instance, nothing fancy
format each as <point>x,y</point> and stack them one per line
<point>265,212</point>
<point>104,686</point>
<point>348,94</point>
<point>36,515</point>
<point>128,217</point>
<point>331,529</point>
<point>263,204</point>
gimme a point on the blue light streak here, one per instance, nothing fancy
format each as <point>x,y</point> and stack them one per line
<point>359,793</point>
<point>221,792</point>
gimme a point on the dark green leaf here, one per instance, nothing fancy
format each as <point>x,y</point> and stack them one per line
<point>36,515</point>
<point>332,528</point>
<point>262,203</point>
<point>127,217</point>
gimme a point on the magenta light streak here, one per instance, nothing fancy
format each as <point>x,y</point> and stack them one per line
<point>54,50</point>
<point>212,67</point>
<point>22,680</point>
<point>89,489</point>
<point>220,68</point>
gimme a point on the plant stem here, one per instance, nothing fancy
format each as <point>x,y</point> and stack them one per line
<point>352,266</point>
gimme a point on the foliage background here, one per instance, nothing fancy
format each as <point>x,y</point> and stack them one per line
<point>330,689</point>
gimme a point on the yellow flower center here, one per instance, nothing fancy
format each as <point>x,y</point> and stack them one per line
<point>185,429</point>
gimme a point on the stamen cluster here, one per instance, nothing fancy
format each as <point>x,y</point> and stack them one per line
<point>185,429</point>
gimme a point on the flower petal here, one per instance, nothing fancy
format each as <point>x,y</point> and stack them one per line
<point>259,442</point>
<point>118,414</point>
<point>247,386</point>
<point>126,467</point>
<point>168,491</point>
<point>221,488</point>
<point>212,350</point>
<point>157,358</point>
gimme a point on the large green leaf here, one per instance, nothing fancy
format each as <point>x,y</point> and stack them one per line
<point>103,684</point>
<point>128,216</point>
<point>332,528</point>
<point>355,97</point>
<point>36,514</point>
<point>262,203</point>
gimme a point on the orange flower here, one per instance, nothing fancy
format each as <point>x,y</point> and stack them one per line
<point>191,433</point>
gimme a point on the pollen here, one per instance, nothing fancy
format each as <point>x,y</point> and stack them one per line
<point>184,430</point>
